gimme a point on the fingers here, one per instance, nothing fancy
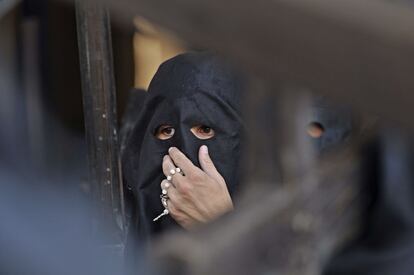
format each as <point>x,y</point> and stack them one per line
<point>207,164</point>
<point>174,196</point>
<point>182,161</point>
<point>177,210</point>
<point>179,216</point>
<point>174,202</point>
<point>172,206</point>
<point>167,166</point>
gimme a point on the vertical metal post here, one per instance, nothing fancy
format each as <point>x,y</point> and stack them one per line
<point>99,101</point>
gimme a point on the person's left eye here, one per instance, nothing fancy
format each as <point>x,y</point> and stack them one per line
<point>203,131</point>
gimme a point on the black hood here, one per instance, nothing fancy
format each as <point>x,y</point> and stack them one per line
<point>187,90</point>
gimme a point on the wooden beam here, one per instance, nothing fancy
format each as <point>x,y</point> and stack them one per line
<point>99,100</point>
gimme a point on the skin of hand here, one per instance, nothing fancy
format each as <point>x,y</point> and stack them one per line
<point>200,195</point>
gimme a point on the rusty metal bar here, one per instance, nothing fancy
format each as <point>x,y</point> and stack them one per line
<point>99,101</point>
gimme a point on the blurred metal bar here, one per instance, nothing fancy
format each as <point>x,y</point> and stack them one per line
<point>99,100</point>
<point>12,100</point>
<point>30,33</point>
<point>7,5</point>
<point>357,52</point>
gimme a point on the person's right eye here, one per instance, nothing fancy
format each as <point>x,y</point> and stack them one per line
<point>164,132</point>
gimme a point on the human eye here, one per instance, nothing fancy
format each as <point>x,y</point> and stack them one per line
<point>203,131</point>
<point>164,132</point>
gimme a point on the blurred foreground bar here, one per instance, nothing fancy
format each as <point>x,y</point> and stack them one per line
<point>6,6</point>
<point>359,53</point>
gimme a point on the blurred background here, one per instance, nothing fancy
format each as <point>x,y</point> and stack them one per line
<point>47,212</point>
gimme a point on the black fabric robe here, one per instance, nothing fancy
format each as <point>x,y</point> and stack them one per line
<point>188,90</point>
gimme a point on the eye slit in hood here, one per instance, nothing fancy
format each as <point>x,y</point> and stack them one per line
<point>202,131</point>
<point>164,132</point>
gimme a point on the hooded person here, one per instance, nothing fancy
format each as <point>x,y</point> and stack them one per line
<point>196,89</point>
<point>193,100</point>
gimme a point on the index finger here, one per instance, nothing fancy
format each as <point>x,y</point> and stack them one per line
<point>181,160</point>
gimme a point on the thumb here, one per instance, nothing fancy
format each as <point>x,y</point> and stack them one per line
<point>207,164</point>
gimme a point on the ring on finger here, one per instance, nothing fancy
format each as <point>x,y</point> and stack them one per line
<point>173,172</point>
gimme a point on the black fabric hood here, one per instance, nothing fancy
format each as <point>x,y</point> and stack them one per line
<point>187,90</point>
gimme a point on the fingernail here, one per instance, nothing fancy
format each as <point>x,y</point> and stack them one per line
<point>169,150</point>
<point>204,149</point>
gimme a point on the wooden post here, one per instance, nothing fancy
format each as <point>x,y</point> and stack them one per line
<point>99,101</point>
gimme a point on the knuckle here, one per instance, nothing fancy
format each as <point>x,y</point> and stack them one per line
<point>220,179</point>
<point>172,196</point>
<point>185,189</point>
<point>176,200</point>
<point>199,177</point>
<point>207,160</point>
<point>195,176</point>
<point>179,159</point>
<point>173,152</point>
